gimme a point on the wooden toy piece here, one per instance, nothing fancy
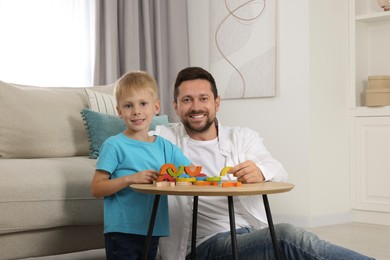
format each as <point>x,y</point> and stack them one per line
<point>165,184</point>
<point>225,170</point>
<point>183,183</point>
<point>184,175</point>
<point>176,173</point>
<point>231,184</point>
<point>215,181</point>
<point>201,177</point>
<point>193,179</point>
<point>215,178</point>
<point>165,167</point>
<point>194,173</point>
<point>203,183</point>
<point>165,177</point>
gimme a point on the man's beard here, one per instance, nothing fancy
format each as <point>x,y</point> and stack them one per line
<point>201,128</point>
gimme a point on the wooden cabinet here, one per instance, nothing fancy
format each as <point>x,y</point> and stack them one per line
<point>372,163</point>
<point>369,29</point>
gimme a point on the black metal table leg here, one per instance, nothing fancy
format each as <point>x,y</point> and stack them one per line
<point>232,227</point>
<point>194,225</point>
<point>271,228</point>
<point>151,226</point>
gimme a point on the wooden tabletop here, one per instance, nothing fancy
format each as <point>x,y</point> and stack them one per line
<point>194,190</point>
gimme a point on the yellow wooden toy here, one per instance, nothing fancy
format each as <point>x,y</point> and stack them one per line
<point>225,170</point>
<point>193,179</point>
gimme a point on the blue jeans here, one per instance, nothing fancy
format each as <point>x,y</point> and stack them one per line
<point>294,242</point>
<point>121,246</point>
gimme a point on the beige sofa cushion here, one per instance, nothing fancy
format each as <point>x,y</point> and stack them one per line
<point>47,193</point>
<point>43,122</point>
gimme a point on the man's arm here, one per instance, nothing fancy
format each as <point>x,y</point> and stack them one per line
<point>255,163</point>
<point>247,172</point>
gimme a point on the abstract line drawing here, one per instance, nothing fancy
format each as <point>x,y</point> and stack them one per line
<point>242,51</point>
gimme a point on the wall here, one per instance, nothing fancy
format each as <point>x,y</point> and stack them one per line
<point>305,125</point>
<point>329,109</point>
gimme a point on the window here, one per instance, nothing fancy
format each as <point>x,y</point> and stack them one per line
<point>46,42</point>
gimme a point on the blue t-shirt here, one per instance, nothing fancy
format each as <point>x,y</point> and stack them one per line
<point>128,211</point>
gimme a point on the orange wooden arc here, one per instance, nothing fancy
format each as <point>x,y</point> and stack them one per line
<point>194,173</point>
<point>165,167</point>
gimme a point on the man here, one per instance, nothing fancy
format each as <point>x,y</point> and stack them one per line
<point>206,142</point>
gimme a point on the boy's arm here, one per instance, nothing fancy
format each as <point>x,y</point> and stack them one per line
<point>103,186</point>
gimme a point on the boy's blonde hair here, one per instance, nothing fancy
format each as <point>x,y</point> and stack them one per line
<point>133,82</point>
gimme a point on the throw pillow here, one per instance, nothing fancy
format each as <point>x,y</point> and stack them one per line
<point>100,126</point>
<point>101,102</point>
<point>159,120</point>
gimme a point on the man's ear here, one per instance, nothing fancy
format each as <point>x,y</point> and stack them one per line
<point>217,103</point>
<point>174,103</point>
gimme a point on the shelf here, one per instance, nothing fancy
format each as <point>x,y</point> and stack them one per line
<point>374,17</point>
<point>369,37</point>
<point>371,111</point>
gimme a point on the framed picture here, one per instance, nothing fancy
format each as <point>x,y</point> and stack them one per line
<point>243,47</point>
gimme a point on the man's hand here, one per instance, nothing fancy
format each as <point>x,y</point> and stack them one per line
<point>247,172</point>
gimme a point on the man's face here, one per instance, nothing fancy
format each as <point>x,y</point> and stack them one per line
<point>195,105</point>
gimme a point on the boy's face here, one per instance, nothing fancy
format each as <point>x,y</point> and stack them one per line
<point>137,110</point>
<point>195,106</point>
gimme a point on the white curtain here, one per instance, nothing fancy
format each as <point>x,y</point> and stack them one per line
<point>46,42</point>
<point>93,42</point>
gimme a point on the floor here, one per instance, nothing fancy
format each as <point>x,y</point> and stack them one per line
<point>371,240</point>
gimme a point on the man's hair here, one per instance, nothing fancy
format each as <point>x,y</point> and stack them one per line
<point>135,81</point>
<point>192,73</point>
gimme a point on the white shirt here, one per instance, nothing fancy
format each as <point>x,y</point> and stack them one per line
<point>213,212</point>
<point>236,145</point>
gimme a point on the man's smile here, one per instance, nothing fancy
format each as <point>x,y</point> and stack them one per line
<point>197,116</point>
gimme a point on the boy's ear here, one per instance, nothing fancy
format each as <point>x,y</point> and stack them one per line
<point>119,112</point>
<point>157,107</point>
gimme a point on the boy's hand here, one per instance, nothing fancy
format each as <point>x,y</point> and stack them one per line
<point>247,172</point>
<point>142,177</point>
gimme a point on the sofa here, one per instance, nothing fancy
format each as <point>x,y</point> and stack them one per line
<point>48,151</point>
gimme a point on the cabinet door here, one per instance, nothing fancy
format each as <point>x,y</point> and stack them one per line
<point>371,164</point>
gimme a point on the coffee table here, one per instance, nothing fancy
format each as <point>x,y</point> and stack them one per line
<point>263,189</point>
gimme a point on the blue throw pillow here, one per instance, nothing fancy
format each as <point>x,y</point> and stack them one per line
<point>100,126</point>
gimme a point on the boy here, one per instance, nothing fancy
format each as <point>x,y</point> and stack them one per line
<point>128,158</point>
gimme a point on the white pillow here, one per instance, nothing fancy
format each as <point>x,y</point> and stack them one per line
<point>101,102</point>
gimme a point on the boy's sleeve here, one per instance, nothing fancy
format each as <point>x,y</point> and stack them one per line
<point>108,160</point>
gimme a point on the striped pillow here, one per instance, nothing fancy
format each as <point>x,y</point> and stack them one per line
<point>101,102</point>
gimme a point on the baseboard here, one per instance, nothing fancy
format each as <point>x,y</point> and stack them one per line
<point>314,221</point>
<point>371,217</point>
